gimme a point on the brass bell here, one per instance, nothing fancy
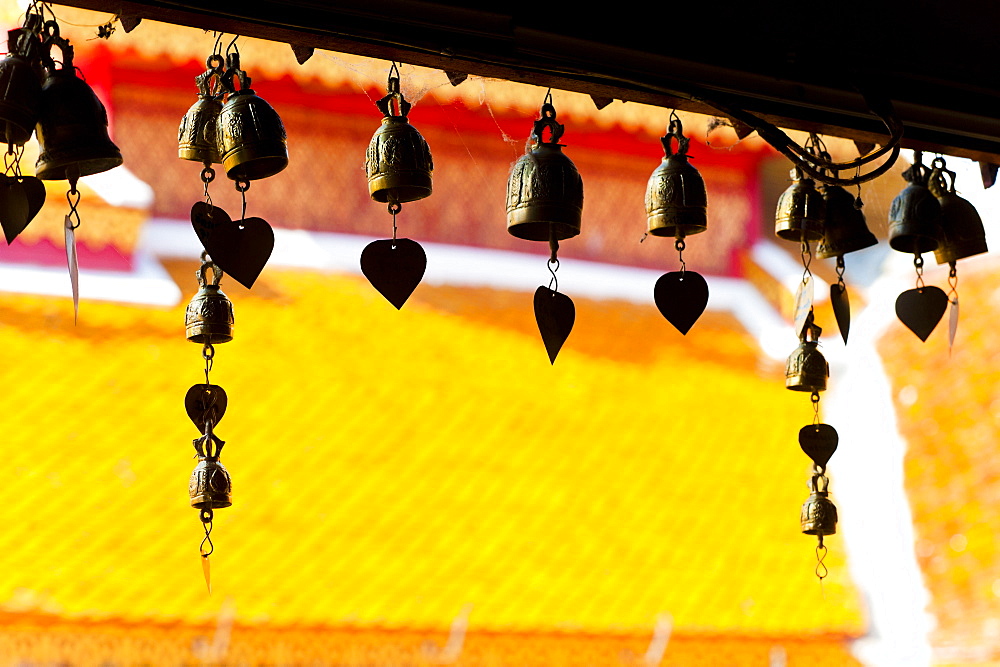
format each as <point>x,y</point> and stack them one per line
<point>844,228</point>
<point>962,232</point>
<point>209,316</point>
<point>801,210</point>
<point>676,201</point>
<point>544,189</point>
<point>72,124</point>
<point>806,368</point>
<point>398,160</point>
<point>819,514</point>
<point>915,214</point>
<point>252,140</point>
<point>20,81</point>
<point>210,486</point>
<point>196,136</point>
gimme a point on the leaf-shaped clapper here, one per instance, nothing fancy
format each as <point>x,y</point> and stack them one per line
<point>819,442</point>
<point>841,308</point>
<point>394,268</point>
<point>206,403</point>
<point>555,315</point>
<point>681,297</point>
<point>921,308</point>
<point>241,248</point>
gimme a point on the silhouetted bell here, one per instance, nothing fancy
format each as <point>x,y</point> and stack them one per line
<point>72,123</point>
<point>962,232</point>
<point>209,316</point>
<point>819,514</point>
<point>806,368</point>
<point>676,201</point>
<point>196,136</point>
<point>398,160</point>
<point>252,140</point>
<point>20,87</point>
<point>544,189</point>
<point>801,210</point>
<point>210,486</point>
<point>844,229</point>
<point>915,214</point>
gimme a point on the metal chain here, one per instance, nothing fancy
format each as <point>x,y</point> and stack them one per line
<point>953,282</point>
<point>918,264</point>
<point>680,245</point>
<point>207,176</point>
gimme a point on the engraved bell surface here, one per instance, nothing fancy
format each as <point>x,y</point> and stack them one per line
<point>676,200</point>
<point>819,514</point>
<point>252,139</point>
<point>962,231</point>
<point>197,139</point>
<point>801,211</point>
<point>398,161</point>
<point>209,315</point>
<point>845,229</point>
<point>807,368</point>
<point>210,486</point>
<point>544,189</point>
<point>20,88</point>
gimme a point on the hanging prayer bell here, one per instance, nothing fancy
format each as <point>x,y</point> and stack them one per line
<point>544,190</point>
<point>196,137</point>
<point>252,140</point>
<point>915,214</point>
<point>398,160</point>
<point>210,486</point>
<point>962,232</point>
<point>72,123</point>
<point>21,86</point>
<point>807,368</point>
<point>819,514</point>
<point>676,201</point>
<point>801,210</point>
<point>209,316</point>
<point>844,227</point>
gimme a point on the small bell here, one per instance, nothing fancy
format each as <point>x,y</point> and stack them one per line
<point>20,81</point>
<point>819,514</point>
<point>844,228</point>
<point>544,189</point>
<point>209,316</point>
<point>915,214</point>
<point>801,211</point>
<point>210,486</point>
<point>398,160</point>
<point>676,201</point>
<point>72,124</point>
<point>962,232</point>
<point>196,136</point>
<point>807,369</point>
<point>252,140</point>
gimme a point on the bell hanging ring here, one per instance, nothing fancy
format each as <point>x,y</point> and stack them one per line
<point>210,486</point>
<point>398,160</point>
<point>915,214</point>
<point>676,201</point>
<point>196,137</point>
<point>962,232</point>
<point>251,136</point>
<point>72,124</point>
<point>801,211</point>
<point>844,228</point>
<point>807,368</point>
<point>544,189</point>
<point>20,81</point>
<point>819,514</point>
<point>209,316</point>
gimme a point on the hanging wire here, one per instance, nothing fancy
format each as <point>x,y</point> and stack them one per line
<point>918,264</point>
<point>208,354</point>
<point>394,208</point>
<point>73,197</point>
<point>206,516</point>
<point>679,245</point>
<point>821,569</point>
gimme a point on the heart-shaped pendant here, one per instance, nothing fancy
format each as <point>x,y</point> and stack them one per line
<point>921,308</point>
<point>394,268</point>
<point>555,315</point>
<point>206,403</point>
<point>205,218</point>
<point>819,442</point>
<point>13,208</point>
<point>241,248</point>
<point>681,297</point>
<point>841,308</point>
